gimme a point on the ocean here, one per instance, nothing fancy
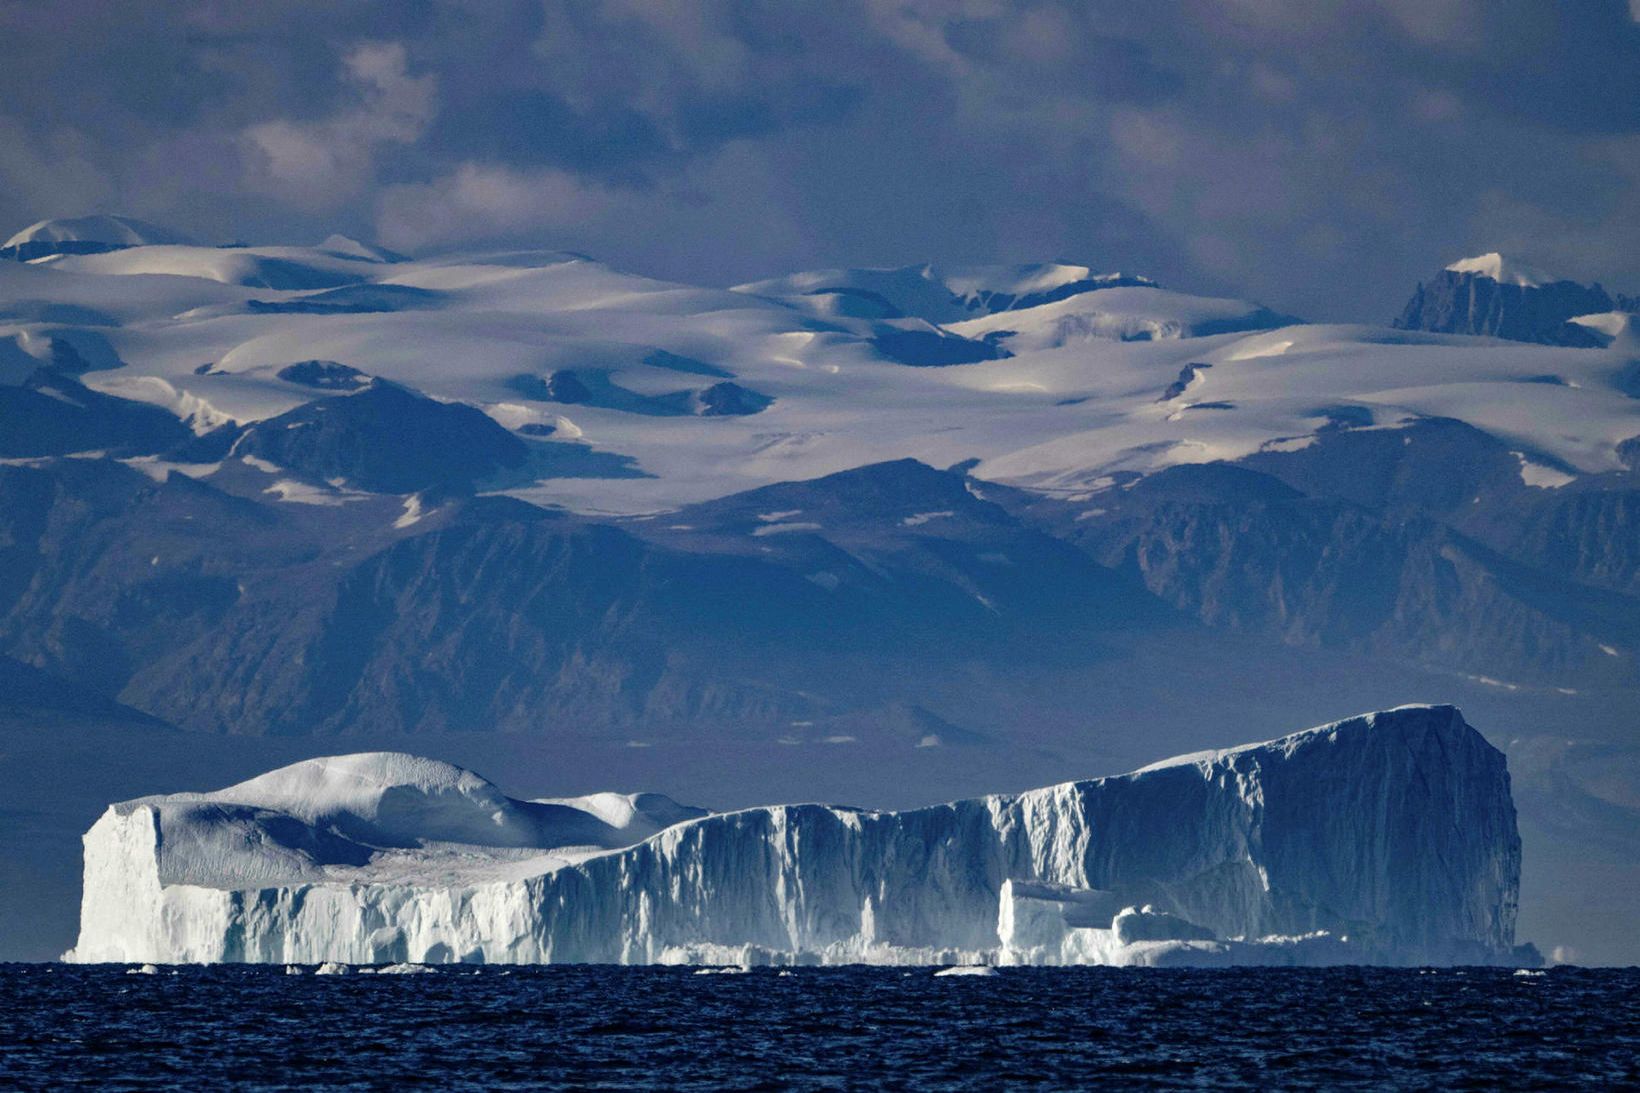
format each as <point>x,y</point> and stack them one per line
<point>581,1027</point>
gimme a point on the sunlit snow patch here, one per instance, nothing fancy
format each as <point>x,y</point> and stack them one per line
<point>302,493</point>
<point>1540,476</point>
<point>412,512</point>
<point>1503,270</point>
<point>782,529</point>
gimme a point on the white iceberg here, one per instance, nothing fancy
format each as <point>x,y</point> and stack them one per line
<point>1387,838</point>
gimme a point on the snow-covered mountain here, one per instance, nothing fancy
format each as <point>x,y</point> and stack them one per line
<point>942,515</point>
<point>1121,313</point>
<point>86,235</point>
<point>352,396</point>
<point>935,294</point>
<point>1498,296</point>
<point>1388,838</point>
<point>342,387</point>
<point>1493,266</point>
<point>1049,391</point>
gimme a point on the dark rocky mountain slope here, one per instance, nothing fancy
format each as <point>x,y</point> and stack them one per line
<point>386,438</point>
<point>1454,302</point>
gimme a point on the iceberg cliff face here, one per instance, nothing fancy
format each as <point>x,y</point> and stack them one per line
<point>1385,838</point>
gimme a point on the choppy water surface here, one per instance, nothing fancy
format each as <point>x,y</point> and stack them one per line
<point>818,1028</point>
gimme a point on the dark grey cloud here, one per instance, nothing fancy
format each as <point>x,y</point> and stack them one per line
<point>1319,154</point>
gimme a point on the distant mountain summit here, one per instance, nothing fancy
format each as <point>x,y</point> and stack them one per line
<point>86,235</point>
<point>344,246</point>
<point>1505,271</point>
<point>935,294</point>
<point>1496,296</point>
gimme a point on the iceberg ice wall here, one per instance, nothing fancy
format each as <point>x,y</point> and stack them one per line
<point>1385,838</point>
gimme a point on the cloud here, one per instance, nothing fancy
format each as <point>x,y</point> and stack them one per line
<point>321,163</point>
<point>1580,239</point>
<point>484,202</point>
<point>1321,155</point>
<point>59,167</point>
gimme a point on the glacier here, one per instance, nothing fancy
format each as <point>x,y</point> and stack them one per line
<point>1386,838</point>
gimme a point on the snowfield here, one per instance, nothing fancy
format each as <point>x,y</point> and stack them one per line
<point>922,509</point>
<point>115,231</point>
<point>1388,838</point>
<point>1062,377</point>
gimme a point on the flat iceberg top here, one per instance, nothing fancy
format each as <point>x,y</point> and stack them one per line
<point>1400,717</point>
<point>1503,270</point>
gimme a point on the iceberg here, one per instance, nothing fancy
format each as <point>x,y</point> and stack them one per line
<point>1386,838</point>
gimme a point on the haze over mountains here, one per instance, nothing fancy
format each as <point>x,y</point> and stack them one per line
<point>1017,516</point>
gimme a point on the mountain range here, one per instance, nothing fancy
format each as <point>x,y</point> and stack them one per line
<point>1002,514</point>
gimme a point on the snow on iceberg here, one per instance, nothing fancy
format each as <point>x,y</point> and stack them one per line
<point>1386,838</point>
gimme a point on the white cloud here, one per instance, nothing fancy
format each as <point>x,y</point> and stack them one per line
<point>1149,139</point>
<point>478,201</point>
<point>322,163</point>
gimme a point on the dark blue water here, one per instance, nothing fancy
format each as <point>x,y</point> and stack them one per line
<point>844,1028</point>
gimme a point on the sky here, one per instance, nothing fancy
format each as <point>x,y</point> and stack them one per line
<point>1320,156</point>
